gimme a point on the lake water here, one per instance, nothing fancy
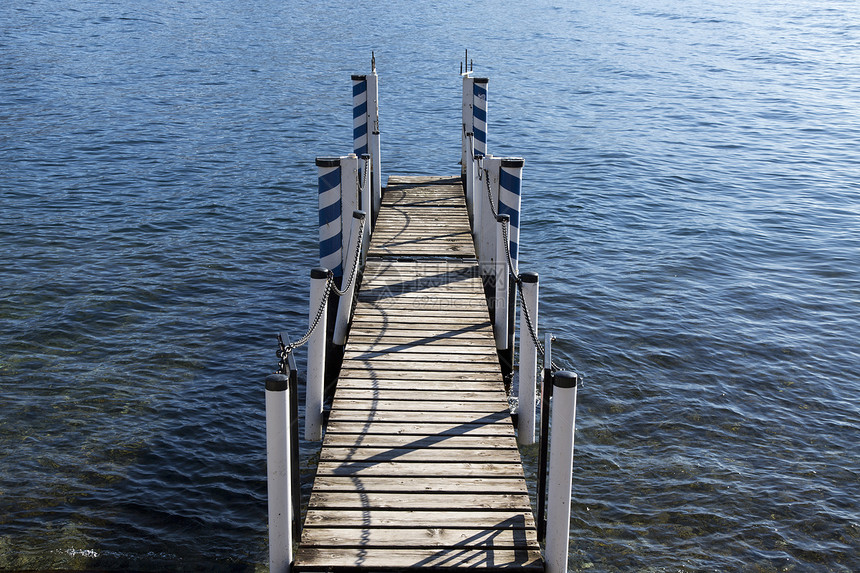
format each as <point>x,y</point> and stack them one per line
<point>691,199</point>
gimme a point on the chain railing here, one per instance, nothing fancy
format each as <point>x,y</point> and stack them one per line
<point>284,349</point>
<point>489,193</point>
<point>356,261</point>
<point>525,309</point>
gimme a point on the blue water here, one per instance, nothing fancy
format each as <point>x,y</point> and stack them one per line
<point>690,201</point>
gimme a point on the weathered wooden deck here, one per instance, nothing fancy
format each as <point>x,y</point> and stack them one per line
<point>419,467</point>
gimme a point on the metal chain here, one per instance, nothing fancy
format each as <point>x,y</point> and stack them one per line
<point>356,258</point>
<point>523,306</point>
<point>363,186</point>
<point>490,193</point>
<point>285,349</point>
<point>507,241</point>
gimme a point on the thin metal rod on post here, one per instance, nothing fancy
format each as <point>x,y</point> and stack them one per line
<point>344,307</point>
<point>528,358</point>
<point>316,356</point>
<point>373,140</point>
<point>546,395</point>
<point>560,471</point>
<point>295,475</point>
<point>278,473</point>
<point>502,284</point>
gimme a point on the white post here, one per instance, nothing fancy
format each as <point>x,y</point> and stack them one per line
<point>316,357</point>
<point>349,196</point>
<point>468,96</point>
<point>344,307</point>
<point>528,359</point>
<point>373,140</point>
<point>502,284</point>
<point>487,230</point>
<point>278,474</point>
<point>478,205</point>
<point>560,471</point>
<point>469,171</point>
<point>364,205</point>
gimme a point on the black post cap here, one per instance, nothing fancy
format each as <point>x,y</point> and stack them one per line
<point>358,214</point>
<point>319,273</point>
<point>357,77</point>
<point>512,162</point>
<point>365,156</point>
<point>565,379</point>
<point>277,382</point>
<point>529,277</point>
<point>328,161</point>
<point>481,80</point>
<point>503,218</point>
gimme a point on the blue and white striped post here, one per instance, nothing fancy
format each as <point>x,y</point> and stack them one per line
<point>359,115</point>
<point>331,234</point>
<point>479,114</point>
<point>373,139</point>
<point>510,201</point>
<point>468,97</point>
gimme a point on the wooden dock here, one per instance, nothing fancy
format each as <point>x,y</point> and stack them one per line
<point>419,467</point>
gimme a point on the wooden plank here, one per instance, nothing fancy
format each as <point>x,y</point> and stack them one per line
<point>406,469</point>
<point>419,417</point>
<point>361,439</point>
<point>463,366</point>
<point>378,404</point>
<point>384,484</point>
<point>489,520</point>
<point>347,559</point>
<point>485,384</point>
<point>462,501</point>
<point>419,429</point>
<point>428,537</point>
<point>352,370</point>
<point>359,349</point>
<point>412,395</point>
<point>420,455</point>
<point>428,331</point>
<point>478,356</point>
<point>407,352</point>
